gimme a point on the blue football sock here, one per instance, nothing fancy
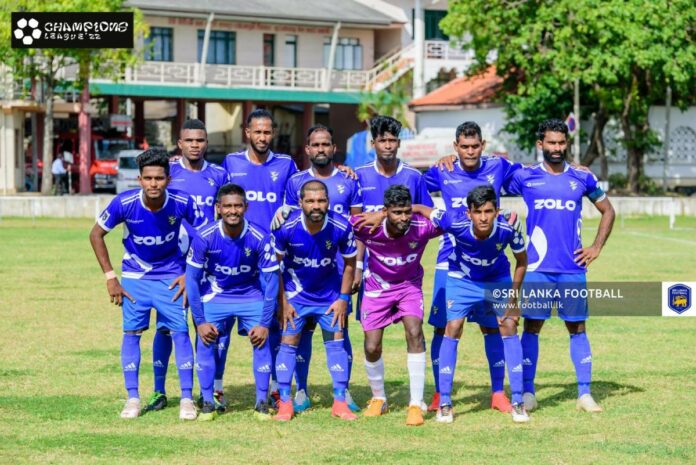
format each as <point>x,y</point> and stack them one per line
<point>348,347</point>
<point>222,346</point>
<point>513,360</point>
<point>448,363</point>
<point>184,362</point>
<point>435,358</point>
<point>495,353</point>
<point>274,345</point>
<point>262,371</point>
<point>205,367</point>
<point>581,355</point>
<point>302,359</point>
<point>161,351</point>
<point>530,356</point>
<point>337,361</point>
<point>130,363</point>
<point>285,367</point>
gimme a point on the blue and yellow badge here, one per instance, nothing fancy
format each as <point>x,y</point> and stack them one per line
<point>679,298</point>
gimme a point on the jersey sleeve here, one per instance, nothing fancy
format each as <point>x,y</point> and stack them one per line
<point>356,198</point>
<point>592,189</point>
<point>513,184</point>
<point>291,197</point>
<point>192,213</point>
<point>432,179</point>
<point>280,240</point>
<point>508,169</point>
<point>360,233</point>
<point>421,195</point>
<point>268,261</point>
<point>197,252</point>
<point>111,216</point>
<point>448,220</point>
<point>347,246</point>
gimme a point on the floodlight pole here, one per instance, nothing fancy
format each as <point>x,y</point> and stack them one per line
<point>204,52</point>
<point>576,110</point>
<point>418,50</point>
<point>665,145</point>
<point>332,57</point>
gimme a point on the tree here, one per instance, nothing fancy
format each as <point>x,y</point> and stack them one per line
<point>625,54</point>
<point>43,65</point>
<point>389,102</point>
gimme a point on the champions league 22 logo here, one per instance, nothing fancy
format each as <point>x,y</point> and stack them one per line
<point>72,30</point>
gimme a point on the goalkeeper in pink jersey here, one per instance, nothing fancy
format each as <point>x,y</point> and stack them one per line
<point>393,281</point>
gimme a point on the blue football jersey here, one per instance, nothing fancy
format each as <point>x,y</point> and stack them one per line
<point>264,184</point>
<point>201,185</point>
<point>554,218</point>
<point>232,265</point>
<point>310,271</point>
<point>476,259</point>
<point>151,239</point>
<point>455,186</point>
<point>344,192</point>
<point>373,184</point>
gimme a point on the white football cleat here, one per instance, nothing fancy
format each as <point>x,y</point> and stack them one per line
<point>187,410</point>
<point>530,402</point>
<point>519,413</point>
<point>587,403</point>
<point>132,408</point>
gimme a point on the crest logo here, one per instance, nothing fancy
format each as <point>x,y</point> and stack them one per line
<point>499,246</point>
<point>172,220</point>
<point>274,175</point>
<point>679,298</point>
<point>573,185</point>
<point>211,182</point>
<point>341,188</point>
<point>329,244</point>
<point>247,251</point>
<point>413,244</point>
<point>490,178</point>
<point>450,303</point>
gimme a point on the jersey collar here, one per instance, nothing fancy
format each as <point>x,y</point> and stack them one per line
<point>495,228</point>
<point>314,175</point>
<point>225,236</point>
<point>181,163</point>
<point>566,167</point>
<point>142,200</point>
<point>399,167</point>
<point>304,218</point>
<point>270,156</point>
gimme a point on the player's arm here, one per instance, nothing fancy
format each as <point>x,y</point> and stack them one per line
<point>113,286</point>
<point>586,255</point>
<point>340,306</point>
<point>513,308</point>
<point>286,312</point>
<point>259,334</point>
<point>192,277</point>
<point>359,258</point>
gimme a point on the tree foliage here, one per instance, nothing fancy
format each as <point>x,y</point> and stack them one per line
<point>625,54</point>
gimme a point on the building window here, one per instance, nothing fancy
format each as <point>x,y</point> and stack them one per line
<point>269,50</point>
<point>221,47</point>
<point>290,52</point>
<point>348,53</point>
<point>432,19</point>
<point>159,44</point>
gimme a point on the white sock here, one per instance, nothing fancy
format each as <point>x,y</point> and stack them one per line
<point>416,376</point>
<point>217,385</point>
<point>375,376</point>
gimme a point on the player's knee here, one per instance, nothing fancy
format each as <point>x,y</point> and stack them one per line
<point>331,336</point>
<point>137,331</point>
<point>439,331</point>
<point>508,327</point>
<point>487,330</point>
<point>291,340</point>
<point>164,331</point>
<point>575,327</point>
<point>533,326</point>
<point>454,328</point>
<point>373,349</point>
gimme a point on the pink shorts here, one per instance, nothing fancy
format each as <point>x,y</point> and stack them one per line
<point>383,307</point>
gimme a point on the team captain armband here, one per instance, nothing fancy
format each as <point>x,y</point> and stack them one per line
<point>597,195</point>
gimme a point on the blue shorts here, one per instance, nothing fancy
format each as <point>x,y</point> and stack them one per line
<point>306,312</point>
<point>248,314</point>
<point>543,291</point>
<point>438,308</point>
<point>475,301</point>
<point>149,294</point>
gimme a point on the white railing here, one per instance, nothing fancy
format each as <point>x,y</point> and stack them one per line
<point>443,50</point>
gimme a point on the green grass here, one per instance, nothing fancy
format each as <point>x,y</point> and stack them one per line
<point>61,386</point>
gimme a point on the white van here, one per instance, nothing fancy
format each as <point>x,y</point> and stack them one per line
<point>128,172</point>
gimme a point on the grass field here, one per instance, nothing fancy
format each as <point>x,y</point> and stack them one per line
<point>61,387</point>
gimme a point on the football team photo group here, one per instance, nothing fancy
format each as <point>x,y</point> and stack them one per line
<point>255,250</point>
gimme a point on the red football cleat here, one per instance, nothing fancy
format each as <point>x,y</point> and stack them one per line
<point>499,401</point>
<point>274,399</point>
<point>341,410</point>
<point>285,411</point>
<point>435,403</point>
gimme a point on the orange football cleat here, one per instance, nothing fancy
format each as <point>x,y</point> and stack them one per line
<point>499,401</point>
<point>341,410</point>
<point>285,411</point>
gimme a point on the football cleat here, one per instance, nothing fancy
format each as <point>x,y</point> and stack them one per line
<point>499,401</point>
<point>274,399</point>
<point>414,415</point>
<point>187,410</point>
<point>131,409</point>
<point>587,403</point>
<point>341,410</point>
<point>435,403</point>
<point>261,411</point>
<point>376,407</point>
<point>519,413</point>
<point>530,402</point>
<point>220,401</point>
<point>157,401</point>
<point>208,412</point>
<point>445,414</point>
<point>351,403</point>
<point>301,401</point>
<point>285,411</point>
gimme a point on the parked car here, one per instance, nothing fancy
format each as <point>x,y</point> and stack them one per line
<point>127,177</point>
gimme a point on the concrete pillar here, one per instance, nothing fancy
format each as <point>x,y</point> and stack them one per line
<point>139,121</point>
<point>247,107</point>
<point>201,110</point>
<point>307,122</point>
<point>179,118</point>
<point>113,104</point>
<point>84,124</point>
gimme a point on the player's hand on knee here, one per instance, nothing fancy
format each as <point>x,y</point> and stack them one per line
<point>116,292</point>
<point>179,281</point>
<point>207,332</point>
<point>348,171</point>
<point>338,308</point>
<point>289,315</point>
<point>586,255</point>
<point>258,336</point>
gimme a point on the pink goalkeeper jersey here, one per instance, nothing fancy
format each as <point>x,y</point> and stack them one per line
<point>394,260</point>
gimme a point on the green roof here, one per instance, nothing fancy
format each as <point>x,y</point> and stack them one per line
<point>222,93</point>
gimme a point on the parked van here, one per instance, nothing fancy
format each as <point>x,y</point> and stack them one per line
<point>127,177</point>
